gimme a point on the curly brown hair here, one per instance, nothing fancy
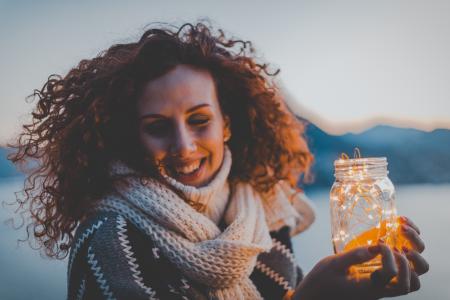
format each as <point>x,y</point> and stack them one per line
<point>87,118</point>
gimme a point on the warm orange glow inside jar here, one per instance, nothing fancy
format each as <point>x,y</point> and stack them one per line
<point>362,203</point>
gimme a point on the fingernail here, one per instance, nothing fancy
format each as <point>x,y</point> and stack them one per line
<point>396,250</point>
<point>374,249</point>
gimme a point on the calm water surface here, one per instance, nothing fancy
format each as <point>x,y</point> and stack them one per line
<point>24,274</point>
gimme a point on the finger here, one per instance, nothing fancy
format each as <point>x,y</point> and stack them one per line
<point>378,279</point>
<point>405,220</point>
<point>389,267</point>
<point>394,291</point>
<point>356,256</point>
<point>364,287</point>
<point>413,237</point>
<point>415,282</point>
<point>404,273</point>
<point>420,265</point>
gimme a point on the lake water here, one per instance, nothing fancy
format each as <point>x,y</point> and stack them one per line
<point>24,274</point>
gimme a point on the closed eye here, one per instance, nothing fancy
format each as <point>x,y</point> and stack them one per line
<point>199,120</point>
<point>160,127</point>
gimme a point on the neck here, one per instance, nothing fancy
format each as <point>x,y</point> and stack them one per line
<point>210,199</point>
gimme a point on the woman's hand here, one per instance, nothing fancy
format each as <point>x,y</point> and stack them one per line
<point>410,232</point>
<point>331,278</point>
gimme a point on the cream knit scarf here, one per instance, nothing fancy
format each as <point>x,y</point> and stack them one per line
<point>223,261</point>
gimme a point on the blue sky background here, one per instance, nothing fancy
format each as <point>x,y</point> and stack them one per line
<point>346,65</point>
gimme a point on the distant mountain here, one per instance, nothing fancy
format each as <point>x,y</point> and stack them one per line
<point>413,156</point>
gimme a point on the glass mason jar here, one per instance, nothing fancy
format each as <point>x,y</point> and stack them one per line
<point>362,205</point>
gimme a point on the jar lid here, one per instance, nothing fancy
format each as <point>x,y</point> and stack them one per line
<point>369,161</point>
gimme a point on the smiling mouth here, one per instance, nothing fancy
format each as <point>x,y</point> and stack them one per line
<point>186,172</point>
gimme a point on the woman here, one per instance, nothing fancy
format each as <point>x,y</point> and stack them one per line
<point>175,161</point>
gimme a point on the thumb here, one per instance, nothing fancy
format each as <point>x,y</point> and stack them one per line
<point>356,256</point>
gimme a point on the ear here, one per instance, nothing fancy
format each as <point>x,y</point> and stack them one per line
<point>226,129</point>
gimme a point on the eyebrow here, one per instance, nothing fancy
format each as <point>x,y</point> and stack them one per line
<point>188,111</point>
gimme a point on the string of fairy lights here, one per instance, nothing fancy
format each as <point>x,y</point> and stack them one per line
<point>362,205</point>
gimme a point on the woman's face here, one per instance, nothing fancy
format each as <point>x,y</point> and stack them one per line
<point>181,125</point>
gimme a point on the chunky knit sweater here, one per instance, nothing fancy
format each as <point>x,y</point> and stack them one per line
<point>112,259</point>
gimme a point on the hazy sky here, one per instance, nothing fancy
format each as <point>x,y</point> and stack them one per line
<point>343,63</point>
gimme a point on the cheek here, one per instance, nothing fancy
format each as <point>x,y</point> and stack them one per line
<point>218,157</point>
<point>214,144</point>
<point>153,147</point>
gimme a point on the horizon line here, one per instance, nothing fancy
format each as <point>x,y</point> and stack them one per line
<point>356,127</point>
<point>360,126</point>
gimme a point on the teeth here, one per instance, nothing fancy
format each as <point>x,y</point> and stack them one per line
<point>188,169</point>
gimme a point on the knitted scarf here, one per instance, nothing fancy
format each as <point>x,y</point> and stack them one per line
<point>223,261</point>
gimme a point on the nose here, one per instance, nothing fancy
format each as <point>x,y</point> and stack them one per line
<point>183,143</point>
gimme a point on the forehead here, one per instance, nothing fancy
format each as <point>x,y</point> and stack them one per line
<point>178,90</point>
